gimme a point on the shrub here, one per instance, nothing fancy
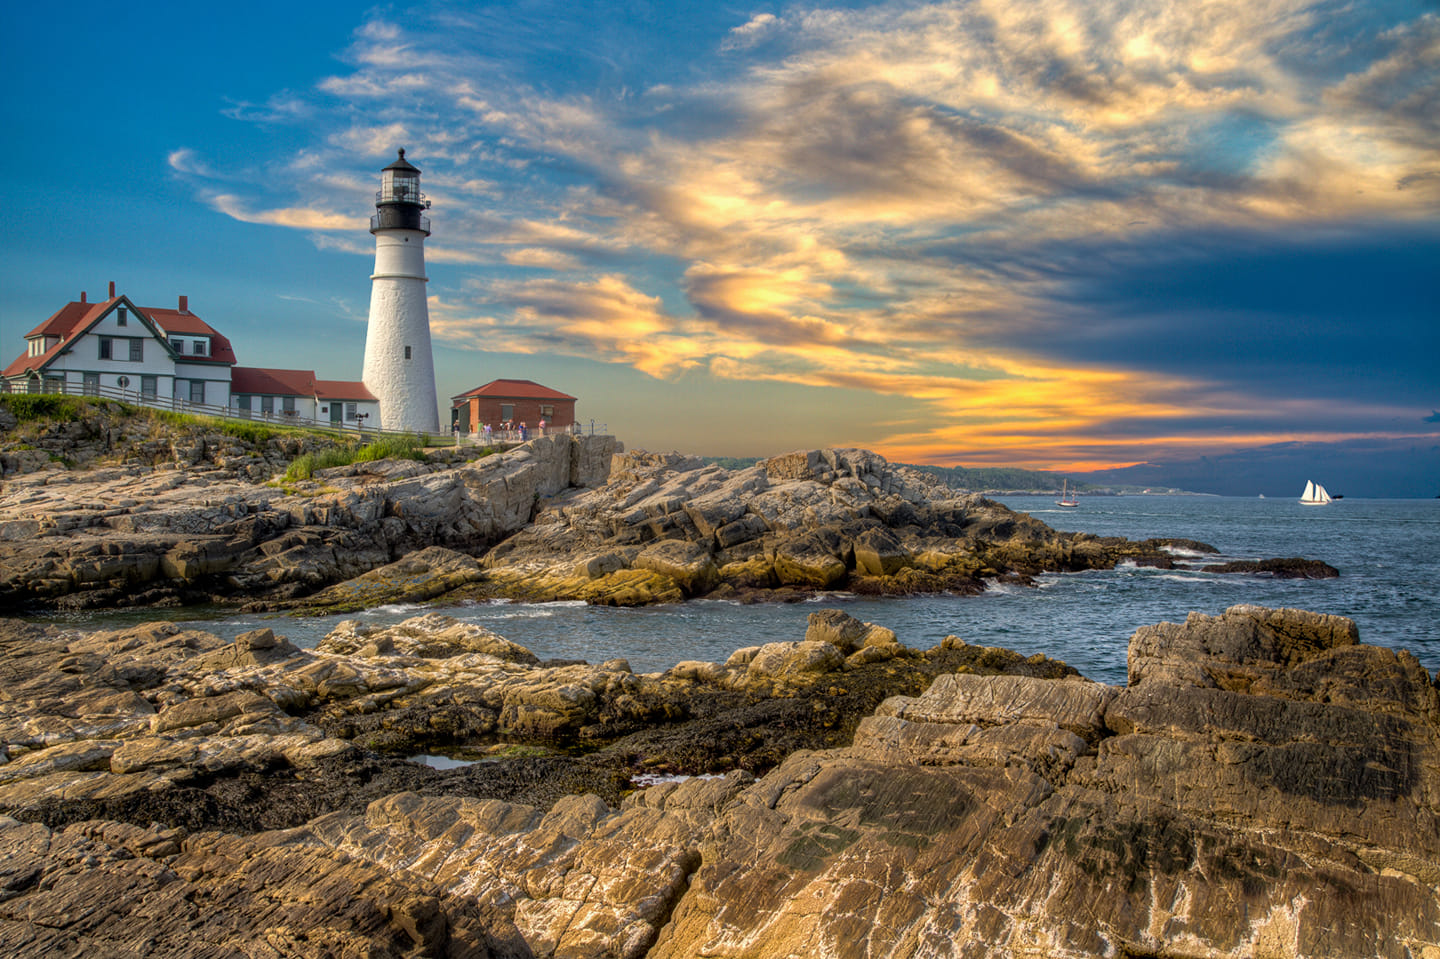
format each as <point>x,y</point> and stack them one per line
<point>386,447</point>
<point>303,467</point>
<point>399,446</point>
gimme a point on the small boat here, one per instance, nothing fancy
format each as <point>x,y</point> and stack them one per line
<point>1067,498</point>
<point>1314,495</point>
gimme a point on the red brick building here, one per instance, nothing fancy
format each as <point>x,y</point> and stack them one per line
<point>512,401</point>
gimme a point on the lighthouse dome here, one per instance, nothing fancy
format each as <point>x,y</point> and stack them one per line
<point>399,202</point>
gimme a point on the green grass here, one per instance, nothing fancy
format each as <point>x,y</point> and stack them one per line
<point>386,447</point>
<point>258,433</point>
<point>29,407</point>
<point>400,446</point>
<point>303,467</point>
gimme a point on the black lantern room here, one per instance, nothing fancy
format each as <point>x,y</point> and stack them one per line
<point>399,202</point>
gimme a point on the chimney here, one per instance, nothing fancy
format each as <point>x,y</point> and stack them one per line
<point>112,289</point>
<point>82,296</point>
<point>184,304</point>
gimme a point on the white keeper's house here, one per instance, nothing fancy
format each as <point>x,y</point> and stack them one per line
<point>172,358</point>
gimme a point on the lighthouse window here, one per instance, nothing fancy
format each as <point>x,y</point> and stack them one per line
<point>407,352</point>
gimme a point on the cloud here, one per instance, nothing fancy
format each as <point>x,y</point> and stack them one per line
<point>601,317</point>
<point>187,162</point>
<point>282,107</point>
<point>750,32</point>
<point>295,217</point>
<point>542,259</point>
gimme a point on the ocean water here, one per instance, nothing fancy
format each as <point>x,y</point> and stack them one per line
<point>1387,552</point>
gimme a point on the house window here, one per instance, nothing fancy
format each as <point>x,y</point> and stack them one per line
<point>137,350</point>
<point>287,405</point>
<point>107,347</point>
<point>507,411</point>
<point>123,382</point>
<point>267,405</point>
<point>197,391</point>
<point>199,347</point>
<point>547,411</point>
<point>148,386</point>
<point>178,345</point>
<point>92,384</point>
<point>121,317</point>
<point>407,352</point>
<point>243,402</point>
<point>350,410</point>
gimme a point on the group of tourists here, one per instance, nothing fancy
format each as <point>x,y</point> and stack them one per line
<point>509,431</point>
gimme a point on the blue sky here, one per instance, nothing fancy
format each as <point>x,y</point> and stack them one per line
<point>1061,234</point>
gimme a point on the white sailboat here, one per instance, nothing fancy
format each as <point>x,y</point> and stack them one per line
<point>1314,495</point>
<point>1066,497</point>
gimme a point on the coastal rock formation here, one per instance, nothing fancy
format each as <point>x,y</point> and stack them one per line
<point>667,527</point>
<point>136,535</point>
<point>1292,568</point>
<point>161,722</point>
<point>1264,785</point>
<point>112,889</point>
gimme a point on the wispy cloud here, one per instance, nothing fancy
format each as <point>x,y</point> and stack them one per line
<point>283,107</point>
<point>296,217</point>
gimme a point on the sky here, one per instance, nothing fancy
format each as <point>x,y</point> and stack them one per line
<point>1176,237</point>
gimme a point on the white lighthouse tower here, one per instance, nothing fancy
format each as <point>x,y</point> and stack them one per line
<point>399,368</point>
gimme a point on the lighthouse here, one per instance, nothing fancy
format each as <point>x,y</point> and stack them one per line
<point>399,368</point>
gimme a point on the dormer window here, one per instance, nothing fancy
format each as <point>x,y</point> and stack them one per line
<point>177,344</point>
<point>200,349</point>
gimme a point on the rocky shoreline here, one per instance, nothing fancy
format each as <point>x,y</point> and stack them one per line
<point>205,520</point>
<point>1264,785</point>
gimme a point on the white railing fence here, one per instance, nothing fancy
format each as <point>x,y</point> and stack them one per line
<point>358,429</point>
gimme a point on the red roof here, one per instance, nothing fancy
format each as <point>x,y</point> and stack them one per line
<point>254,380</point>
<point>67,318</point>
<point>174,321</point>
<point>515,390</point>
<point>342,390</point>
<point>68,321</point>
<point>250,379</point>
<point>73,319</point>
